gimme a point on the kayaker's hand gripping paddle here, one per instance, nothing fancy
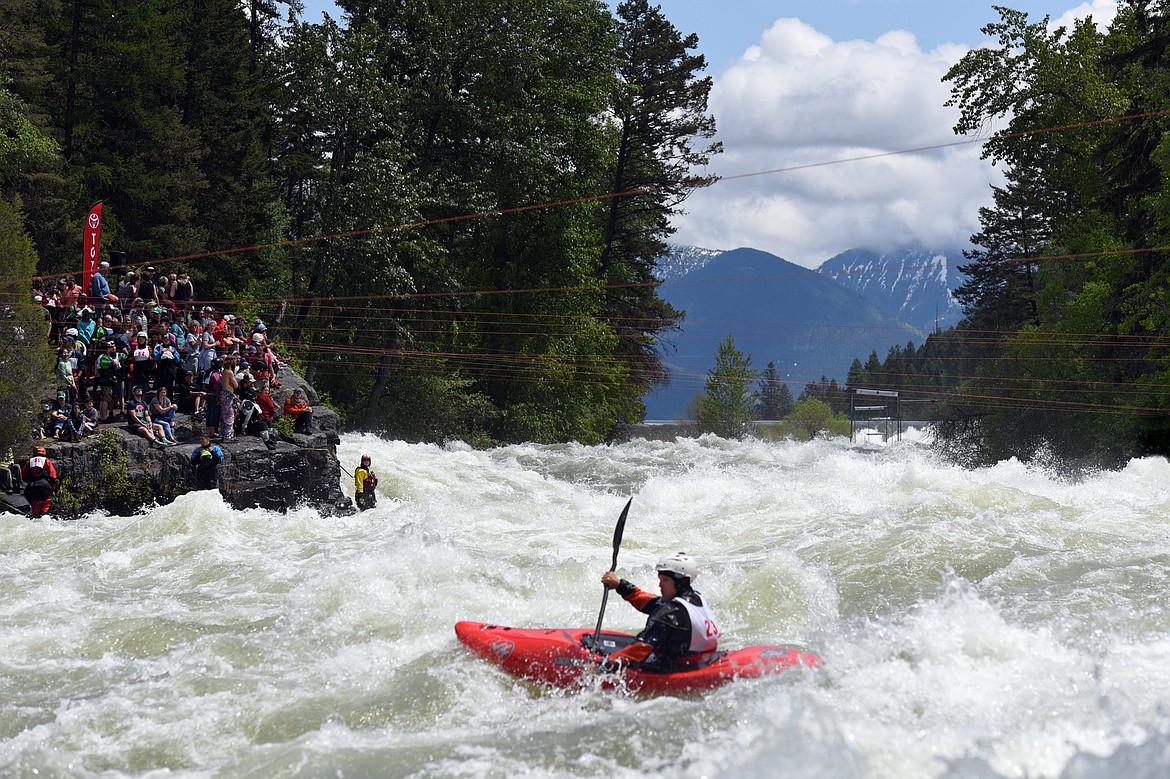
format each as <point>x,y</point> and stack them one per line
<point>617,543</point>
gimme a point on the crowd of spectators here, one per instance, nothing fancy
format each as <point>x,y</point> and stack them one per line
<point>142,349</point>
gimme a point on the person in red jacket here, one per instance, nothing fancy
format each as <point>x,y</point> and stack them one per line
<point>680,629</point>
<point>297,409</point>
<point>40,481</point>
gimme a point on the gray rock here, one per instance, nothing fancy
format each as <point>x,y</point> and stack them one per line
<point>302,469</point>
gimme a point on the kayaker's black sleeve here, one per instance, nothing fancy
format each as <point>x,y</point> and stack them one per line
<point>668,630</point>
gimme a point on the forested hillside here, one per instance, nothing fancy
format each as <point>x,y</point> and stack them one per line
<point>1063,348</point>
<point>376,188</point>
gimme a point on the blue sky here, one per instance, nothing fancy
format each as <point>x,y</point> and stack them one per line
<point>804,82</point>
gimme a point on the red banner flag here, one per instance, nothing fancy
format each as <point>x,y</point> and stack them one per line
<point>92,241</point>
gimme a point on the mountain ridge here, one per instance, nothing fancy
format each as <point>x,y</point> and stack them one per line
<point>808,323</point>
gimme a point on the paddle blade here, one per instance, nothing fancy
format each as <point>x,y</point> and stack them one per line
<point>617,533</point>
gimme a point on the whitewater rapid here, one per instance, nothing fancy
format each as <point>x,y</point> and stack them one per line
<point>1001,622</point>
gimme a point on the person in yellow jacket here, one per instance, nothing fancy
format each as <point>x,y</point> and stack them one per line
<point>365,483</point>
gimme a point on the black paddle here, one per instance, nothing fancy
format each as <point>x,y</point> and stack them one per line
<point>617,543</point>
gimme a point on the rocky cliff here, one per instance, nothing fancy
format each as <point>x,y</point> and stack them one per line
<point>119,472</point>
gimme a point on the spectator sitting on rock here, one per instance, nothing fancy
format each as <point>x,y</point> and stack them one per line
<point>59,413</point>
<point>188,396</point>
<point>162,407</point>
<point>75,428</point>
<point>141,424</point>
<point>91,416</point>
<point>297,408</point>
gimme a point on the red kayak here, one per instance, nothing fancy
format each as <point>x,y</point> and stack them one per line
<point>559,657</point>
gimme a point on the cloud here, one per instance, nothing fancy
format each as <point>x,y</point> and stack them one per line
<point>1102,11</point>
<point>799,98</point>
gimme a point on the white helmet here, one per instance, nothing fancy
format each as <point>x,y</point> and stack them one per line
<point>679,564</point>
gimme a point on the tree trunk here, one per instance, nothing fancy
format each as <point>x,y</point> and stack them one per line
<point>370,419</point>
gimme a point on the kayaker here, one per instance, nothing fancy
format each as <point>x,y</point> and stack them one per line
<point>680,629</point>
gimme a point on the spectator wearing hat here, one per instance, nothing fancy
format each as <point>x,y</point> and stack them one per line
<point>86,325</point>
<point>99,289</point>
<point>138,318</point>
<point>166,361</point>
<point>69,294</point>
<point>141,361</point>
<point>238,335</point>
<point>59,413</point>
<point>189,395</point>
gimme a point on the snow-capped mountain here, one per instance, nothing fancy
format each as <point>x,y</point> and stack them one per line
<point>914,284</point>
<point>683,259</point>
<point>810,323</point>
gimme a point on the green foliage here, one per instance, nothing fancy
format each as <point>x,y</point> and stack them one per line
<point>27,361</point>
<point>22,143</point>
<point>1074,368</point>
<point>811,417</point>
<point>111,486</point>
<point>726,406</point>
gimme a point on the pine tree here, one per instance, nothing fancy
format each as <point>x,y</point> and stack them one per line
<point>726,406</point>
<point>774,399</point>
<point>660,109</point>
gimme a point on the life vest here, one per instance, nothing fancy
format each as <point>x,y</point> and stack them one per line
<point>38,468</point>
<point>206,461</point>
<point>107,369</point>
<point>704,630</point>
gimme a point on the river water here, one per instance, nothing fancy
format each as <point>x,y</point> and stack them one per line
<point>1003,622</point>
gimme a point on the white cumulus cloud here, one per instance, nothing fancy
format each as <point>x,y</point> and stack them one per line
<point>799,99</point>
